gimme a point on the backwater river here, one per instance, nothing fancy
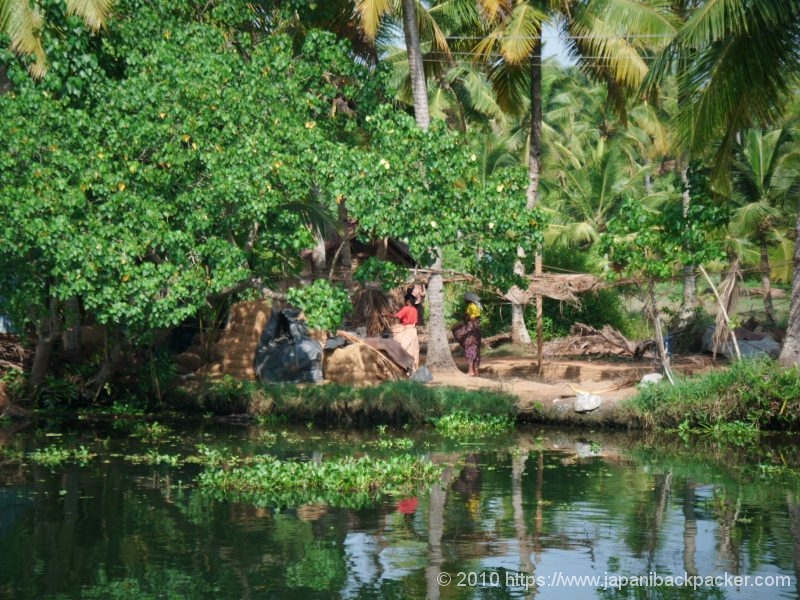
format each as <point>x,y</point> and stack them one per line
<point>533,513</point>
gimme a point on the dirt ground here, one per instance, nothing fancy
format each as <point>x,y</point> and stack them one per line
<point>554,391</point>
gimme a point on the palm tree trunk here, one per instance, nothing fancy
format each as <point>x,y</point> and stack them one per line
<point>438,356</point>
<point>689,529</point>
<point>419,90</point>
<point>689,275</point>
<point>790,353</point>
<point>766,283</point>
<point>534,171</point>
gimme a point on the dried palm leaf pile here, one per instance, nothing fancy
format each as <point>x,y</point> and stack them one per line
<point>584,340</point>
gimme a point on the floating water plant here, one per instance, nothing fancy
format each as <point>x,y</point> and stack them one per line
<point>349,482</point>
<point>53,456</point>
<point>464,424</point>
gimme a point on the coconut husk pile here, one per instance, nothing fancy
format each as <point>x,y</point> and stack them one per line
<point>584,340</point>
<point>558,286</point>
<point>13,355</point>
<point>360,363</point>
<point>234,352</point>
<point>369,307</point>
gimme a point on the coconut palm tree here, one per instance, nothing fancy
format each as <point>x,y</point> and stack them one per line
<point>370,13</point>
<point>23,23</point>
<point>743,70</point>
<point>608,38</point>
<point>766,173</point>
<point>591,194</point>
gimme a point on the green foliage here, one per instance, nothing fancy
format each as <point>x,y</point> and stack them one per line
<point>169,180</point>
<point>157,375</point>
<point>597,309</point>
<point>346,481</point>
<point>152,457</point>
<point>388,274</point>
<point>390,402</point>
<point>152,432</point>
<point>14,382</point>
<point>651,241</point>
<point>756,393</point>
<point>461,424</point>
<point>56,393</point>
<point>54,456</point>
<point>324,305</point>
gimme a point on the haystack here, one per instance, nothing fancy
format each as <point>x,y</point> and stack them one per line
<point>235,350</point>
<point>360,363</point>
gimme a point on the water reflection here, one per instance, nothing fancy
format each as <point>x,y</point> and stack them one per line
<point>516,517</point>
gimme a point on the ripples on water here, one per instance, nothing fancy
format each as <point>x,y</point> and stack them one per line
<point>513,517</point>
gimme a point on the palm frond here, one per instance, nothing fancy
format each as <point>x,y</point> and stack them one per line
<point>495,10</point>
<point>370,13</point>
<point>752,217</point>
<point>521,33</point>
<point>93,12</point>
<point>429,30</point>
<point>737,80</point>
<point>479,91</point>
<point>23,24</point>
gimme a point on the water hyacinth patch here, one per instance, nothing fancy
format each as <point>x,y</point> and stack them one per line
<point>346,482</point>
<point>464,424</point>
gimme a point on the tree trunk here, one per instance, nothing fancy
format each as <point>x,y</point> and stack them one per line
<point>71,340</point>
<point>689,275</point>
<point>519,332</point>
<point>689,293</point>
<point>346,257</point>
<point>790,353</point>
<point>49,330</point>
<point>689,529</point>
<point>439,359</point>
<point>112,358</point>
<point>520,524</point>
<point>319,259</point>
<point>766,283</point>
<point>419,89</point>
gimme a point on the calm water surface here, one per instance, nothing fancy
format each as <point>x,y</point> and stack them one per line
<point>540,513</point>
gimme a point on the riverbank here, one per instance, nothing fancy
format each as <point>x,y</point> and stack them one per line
<point>507,386</point>
<point>742,398</point>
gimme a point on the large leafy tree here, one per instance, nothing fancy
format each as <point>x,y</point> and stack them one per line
<point>148,194</point>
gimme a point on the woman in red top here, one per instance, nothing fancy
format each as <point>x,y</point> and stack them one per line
<point>405,333</point>
<point>408,314</point>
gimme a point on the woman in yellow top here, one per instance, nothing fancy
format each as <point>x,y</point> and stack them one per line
<point>468,334</point>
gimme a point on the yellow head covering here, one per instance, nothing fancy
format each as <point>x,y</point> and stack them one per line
<point>473,311</point>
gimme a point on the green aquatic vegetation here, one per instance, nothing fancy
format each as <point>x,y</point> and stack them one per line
<point>464,424</point>
<point>737,433</point>
<point>151,432</point>
<point>154,458</point>
<point>392,443</point>
<point>53,456</point>
<point>350,482</point>
<point>214,458</point>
